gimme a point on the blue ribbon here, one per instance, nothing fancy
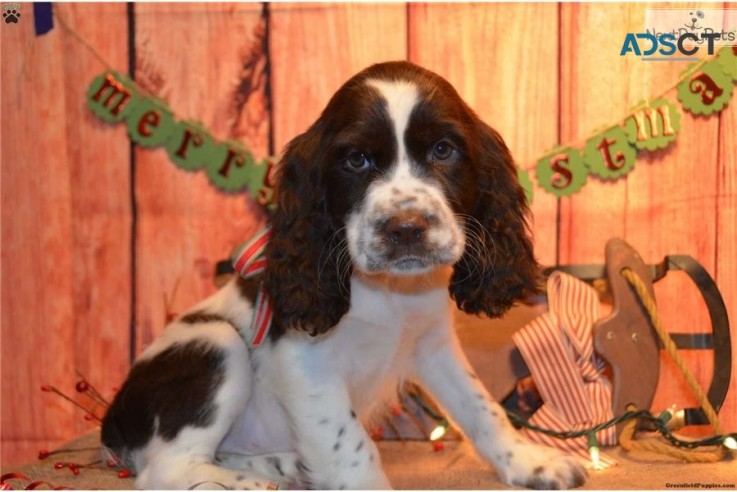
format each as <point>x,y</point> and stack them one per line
<point>43,17</point>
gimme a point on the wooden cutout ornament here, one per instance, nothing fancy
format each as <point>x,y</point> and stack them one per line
<point>625,338</point>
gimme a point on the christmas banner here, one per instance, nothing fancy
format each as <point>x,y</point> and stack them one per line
<point>704,89</point>
<point>230,165</point>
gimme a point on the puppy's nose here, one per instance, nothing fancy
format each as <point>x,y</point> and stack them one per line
<point>405,228</point>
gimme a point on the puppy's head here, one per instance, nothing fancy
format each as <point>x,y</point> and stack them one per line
<point>398,176</point>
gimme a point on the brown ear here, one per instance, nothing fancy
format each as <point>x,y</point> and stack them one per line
<point>491,283</point>
<point>308,288</point>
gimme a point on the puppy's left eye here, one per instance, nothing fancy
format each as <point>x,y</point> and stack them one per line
<point>443,151</point>
<point>357,162</point>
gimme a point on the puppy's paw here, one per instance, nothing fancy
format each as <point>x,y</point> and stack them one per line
<point>374,482</point>
<point>538,467</point>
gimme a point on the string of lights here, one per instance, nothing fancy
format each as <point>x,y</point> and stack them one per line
<point>728,440</point>
<point>658,423</point>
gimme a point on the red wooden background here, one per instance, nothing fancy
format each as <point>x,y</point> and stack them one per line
<point>97,236</point>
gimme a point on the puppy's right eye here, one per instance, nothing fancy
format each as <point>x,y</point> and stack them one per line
<point>357,162</point>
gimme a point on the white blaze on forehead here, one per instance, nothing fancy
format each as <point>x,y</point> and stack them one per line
<point>398,190</point>
<point>401,97</point>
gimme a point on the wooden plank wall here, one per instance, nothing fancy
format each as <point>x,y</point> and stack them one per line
<point>184,225</point>
<point>670,195</point>
<point>65,225</point>
<point>96,235</point>
<point>446,39</point>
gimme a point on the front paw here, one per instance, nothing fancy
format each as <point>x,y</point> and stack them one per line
<point>538,467</point>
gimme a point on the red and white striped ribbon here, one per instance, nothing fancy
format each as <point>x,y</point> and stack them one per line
<point>559,351</point>
<point>248,262</point>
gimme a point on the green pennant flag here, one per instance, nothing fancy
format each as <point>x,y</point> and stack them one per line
<point>727,60</point>
<point>562,173</point>
<point>707,90</point>
<point>527,185</point>
<point>610,155</point>
<point>653,126</point>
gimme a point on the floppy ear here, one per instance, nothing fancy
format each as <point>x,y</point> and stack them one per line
<point>498,266</point>
<point>308,288</point>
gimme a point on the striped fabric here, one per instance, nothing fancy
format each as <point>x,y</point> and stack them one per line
<point>249,262</point>
<point>559,351</point>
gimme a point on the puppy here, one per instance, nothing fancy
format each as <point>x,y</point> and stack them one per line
<point>396,200</point>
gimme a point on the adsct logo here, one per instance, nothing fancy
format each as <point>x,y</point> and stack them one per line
<point>681,34</point>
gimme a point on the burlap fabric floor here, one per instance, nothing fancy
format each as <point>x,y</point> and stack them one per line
<point>414,465</point>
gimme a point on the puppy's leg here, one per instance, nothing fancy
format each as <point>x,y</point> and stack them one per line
<point>334,449</point>
<point>282,468</point>
<point>185,393</point>
<point>442,368</point>
<point>187,463</point>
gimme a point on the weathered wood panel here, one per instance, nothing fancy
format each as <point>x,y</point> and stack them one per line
<point>492,72</point>
<point>207,61</point>
<point>315,47</point>
<point>65,225</point>
<point>594,92</point>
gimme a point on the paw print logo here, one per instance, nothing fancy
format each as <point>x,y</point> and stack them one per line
<point>11,13</point>
<point>11,16</point>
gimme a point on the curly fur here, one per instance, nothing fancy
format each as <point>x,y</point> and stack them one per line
<point>492,283</point>
<point>309,290</point>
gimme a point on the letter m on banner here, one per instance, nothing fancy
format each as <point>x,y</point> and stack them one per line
<point>653,126</point>
<point>112,96</point>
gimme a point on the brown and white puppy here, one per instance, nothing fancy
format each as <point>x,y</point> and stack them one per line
<point>395,201</point>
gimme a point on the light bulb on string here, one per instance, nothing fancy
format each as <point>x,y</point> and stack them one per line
<point>439,431</point>
<point>730,442</point>
<point>594,451</point>
<point>667,414</point>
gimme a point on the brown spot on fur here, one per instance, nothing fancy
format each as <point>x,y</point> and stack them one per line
<point>248,287</point>
<point>202,317</point>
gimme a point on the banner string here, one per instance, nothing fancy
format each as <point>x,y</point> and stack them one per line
<point>582,141</point>
<point>530,167</point>
<point>67,28</point>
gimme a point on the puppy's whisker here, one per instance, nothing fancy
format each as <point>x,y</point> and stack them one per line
<point>334,243</point>
<point>472,268</point>
<point>343,265</point>
<point>480,248</point>
<point>340,255</point>
<point>477,235</point>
